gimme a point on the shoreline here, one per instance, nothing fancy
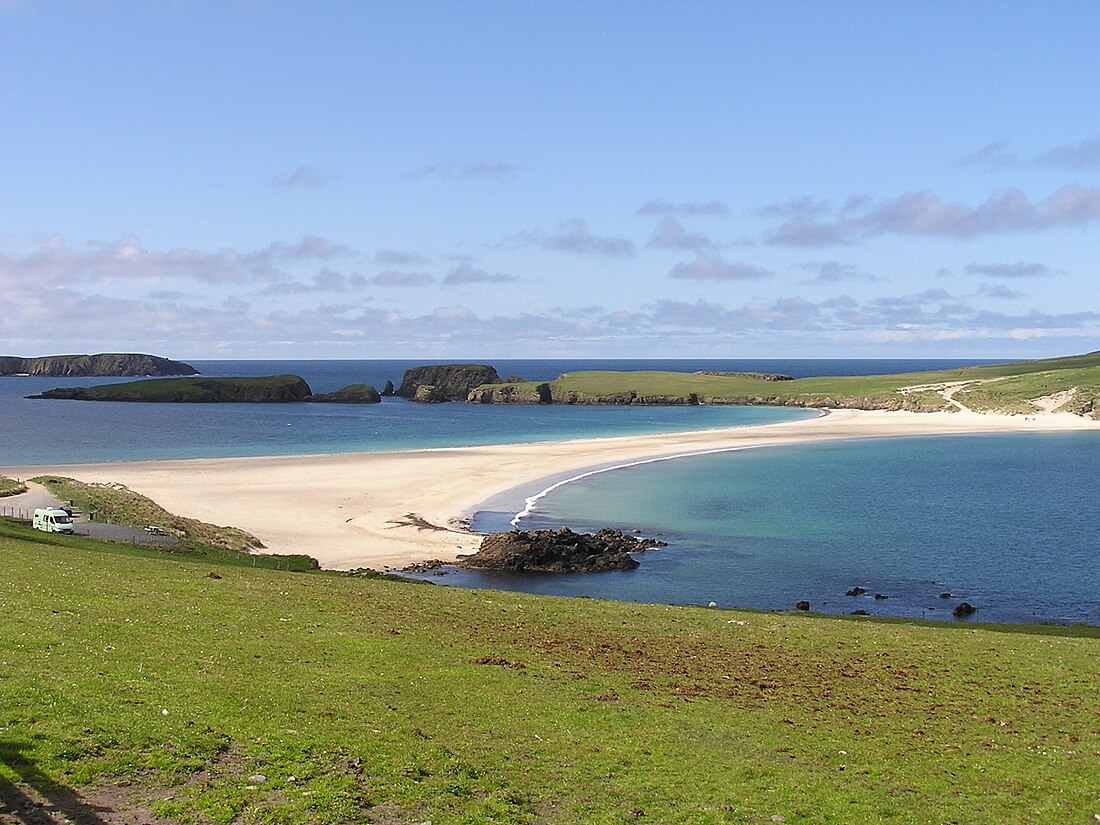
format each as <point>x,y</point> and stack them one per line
<point>351,510</point>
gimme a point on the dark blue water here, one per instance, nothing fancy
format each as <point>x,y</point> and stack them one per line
<point>1007,523</point>
<point>48,432</point>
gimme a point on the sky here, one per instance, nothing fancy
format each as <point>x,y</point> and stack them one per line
<point>550,179</point>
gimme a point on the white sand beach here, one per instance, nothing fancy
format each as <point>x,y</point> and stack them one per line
<point>391,509</point>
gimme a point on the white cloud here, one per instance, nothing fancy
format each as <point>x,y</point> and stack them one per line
<point>709,266</point>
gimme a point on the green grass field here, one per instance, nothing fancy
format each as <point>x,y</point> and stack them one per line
<point>993,388</point>
<point>129,675</point>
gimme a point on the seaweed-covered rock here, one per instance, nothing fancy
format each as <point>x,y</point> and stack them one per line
<point>558,551</point>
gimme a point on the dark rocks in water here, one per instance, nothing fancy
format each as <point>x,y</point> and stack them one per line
<point>963,610</point>
<point>351,394</point>
<point>424,566</point>
<point>802,605</point>
<point>855,591</point>
<point>560,551</point>
<point>945,595</point>
<point>387,391</point>
<point>880,596</point>
<point>451,381</point>
<point>859,613</point>
<point>104,364</point>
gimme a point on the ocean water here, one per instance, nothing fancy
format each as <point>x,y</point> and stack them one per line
<point>48,432</point>
<point>1007,523</point>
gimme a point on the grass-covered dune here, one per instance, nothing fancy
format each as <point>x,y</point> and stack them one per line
<point>994,388</point>
<point>133,679</point>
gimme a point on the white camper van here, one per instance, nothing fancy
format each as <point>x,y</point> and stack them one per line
<point>52,520</point>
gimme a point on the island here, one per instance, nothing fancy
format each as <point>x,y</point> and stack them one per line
<point>118,364</point>
<point>1070,384</point>
<point>271,389</point>
<point>445,382</point>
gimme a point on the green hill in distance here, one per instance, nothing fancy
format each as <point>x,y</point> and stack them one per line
<point>1070,384</point>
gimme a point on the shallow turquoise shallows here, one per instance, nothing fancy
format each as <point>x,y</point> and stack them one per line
<point>1007,523</point>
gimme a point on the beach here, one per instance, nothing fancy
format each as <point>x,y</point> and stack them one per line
<point>391,509</point>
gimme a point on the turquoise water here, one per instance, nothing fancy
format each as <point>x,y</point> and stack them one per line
<point>1007,523</point>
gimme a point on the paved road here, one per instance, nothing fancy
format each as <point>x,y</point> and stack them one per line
<point>24,505</point>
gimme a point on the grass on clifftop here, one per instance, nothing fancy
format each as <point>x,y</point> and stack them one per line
<point>992,388</point>
<point>288,698</point>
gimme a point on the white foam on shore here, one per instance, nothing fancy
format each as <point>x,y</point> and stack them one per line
<point>531,501</point>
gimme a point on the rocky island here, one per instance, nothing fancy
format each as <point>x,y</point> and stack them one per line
<point>445,382</point>
<point>106,364</point>
<point>272,389</point>
<point>558,551</point>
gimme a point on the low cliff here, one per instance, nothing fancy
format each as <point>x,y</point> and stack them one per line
<point>451,382</point>
<point>558,551</point>
<point>105,364</point>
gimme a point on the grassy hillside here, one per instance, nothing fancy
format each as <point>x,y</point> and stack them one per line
<point>259,696</point>
<point>993,388</point>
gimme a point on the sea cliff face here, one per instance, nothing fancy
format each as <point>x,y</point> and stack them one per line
<point>448,382</point>
<point>272,389</point>
<point>106,364</point>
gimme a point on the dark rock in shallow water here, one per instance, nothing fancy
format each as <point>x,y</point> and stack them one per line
<point>945,595</point>
<point>855,591</point>
<point>859,613</point>
<point>963,610</point>
<point>561,551</point>
<point>803,605</point>
<point>880,596</point>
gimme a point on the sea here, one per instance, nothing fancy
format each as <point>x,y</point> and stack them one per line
<point>1007,523</point>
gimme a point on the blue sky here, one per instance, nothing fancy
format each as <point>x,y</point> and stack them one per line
<point>479,180</point>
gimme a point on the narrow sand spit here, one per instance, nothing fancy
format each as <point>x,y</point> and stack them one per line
<point>377,509</point>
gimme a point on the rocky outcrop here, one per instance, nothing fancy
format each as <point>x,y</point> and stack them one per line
<point>106,364</point>
<point>558,551</point>
<point>388,390</point>
<point>351,394</point>
<point>452,381</point>
<point>274,389</point>
<point>430,394</point>
<point>513,393</point>
<point>759,376</point>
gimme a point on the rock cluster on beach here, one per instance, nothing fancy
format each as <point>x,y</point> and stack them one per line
<point>558,551</point>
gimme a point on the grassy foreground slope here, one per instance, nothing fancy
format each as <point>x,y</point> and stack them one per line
<point>293,698</point>
<point>992,388</point>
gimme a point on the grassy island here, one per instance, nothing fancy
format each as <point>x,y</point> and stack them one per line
<point>203,692</point>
